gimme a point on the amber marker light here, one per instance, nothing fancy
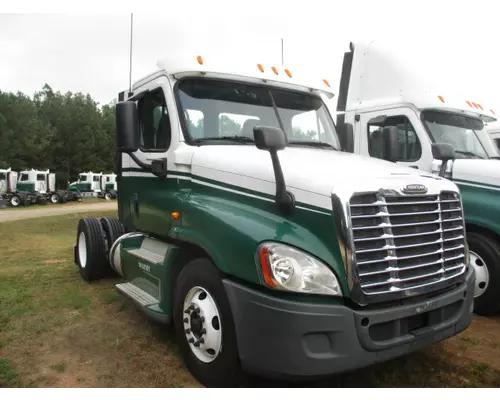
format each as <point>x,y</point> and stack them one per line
<point>175,215</point>
<point>264,264</point>
<point>200,60</point>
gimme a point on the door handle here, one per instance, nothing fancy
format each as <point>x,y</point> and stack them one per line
<point>136,204</point>
<point>413,166</point>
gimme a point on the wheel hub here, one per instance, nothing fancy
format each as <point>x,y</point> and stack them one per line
<point>481,273</point>
<point>202,324</point>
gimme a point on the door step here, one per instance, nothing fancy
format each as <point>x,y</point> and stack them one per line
<point>136,294</point>
<point>147,255</point>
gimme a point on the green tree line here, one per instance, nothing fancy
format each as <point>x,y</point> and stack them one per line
<point>66,133</point>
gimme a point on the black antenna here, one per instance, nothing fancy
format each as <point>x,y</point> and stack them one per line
<point>282,59</point>
<point>130,69</point>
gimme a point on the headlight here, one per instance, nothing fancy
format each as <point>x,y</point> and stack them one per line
<point>287,268</point>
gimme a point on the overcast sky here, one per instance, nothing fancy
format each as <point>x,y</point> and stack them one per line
<point>90,52</point>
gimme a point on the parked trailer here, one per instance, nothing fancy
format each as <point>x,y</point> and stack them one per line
<point>91,184</point>
<point>269,254</point>
<point>381,86</point>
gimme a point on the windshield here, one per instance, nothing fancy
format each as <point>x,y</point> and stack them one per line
<point>82,178</point>
<point>216,109</point>
<point>468,135</point>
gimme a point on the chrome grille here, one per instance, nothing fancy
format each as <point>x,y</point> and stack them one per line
<point>406,242</point>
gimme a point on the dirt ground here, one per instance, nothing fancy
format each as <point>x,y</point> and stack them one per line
<point>17,214</point>
<point>58,331</point>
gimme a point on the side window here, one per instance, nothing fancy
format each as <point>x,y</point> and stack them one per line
<point>307,126</point>
<point>237,124</point>
<point>24,177</point>
<point>96,178</point>
<point>497,141</point>
<point>154,122</point>
<point>40,177</point>
<point>410,149</point>
<point>2,176</point>
<point>195,120</point>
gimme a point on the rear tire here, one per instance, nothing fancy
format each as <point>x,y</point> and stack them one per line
<point>55,198</point>
<point>91,249</point>
<point>113,229</point>
<point>213,367</point>
<point>485,259</point>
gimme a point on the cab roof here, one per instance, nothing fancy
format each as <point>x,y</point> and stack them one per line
<point>269,73</point>
<point>391,72</point>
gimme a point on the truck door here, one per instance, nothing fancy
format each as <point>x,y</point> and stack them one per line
<point>150,199</point>
<point>414,144</point>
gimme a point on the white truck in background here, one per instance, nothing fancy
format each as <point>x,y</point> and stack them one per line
<point>92,184</point>
<point>383,85</point>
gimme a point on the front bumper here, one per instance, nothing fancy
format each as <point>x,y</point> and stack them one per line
<point>288,339</point>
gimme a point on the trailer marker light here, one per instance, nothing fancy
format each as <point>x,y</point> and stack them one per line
<point>261,68</point>
<point>288,73</point>
<point>200,60</point>
<point>326,82</point>
<point>274,70</point>
<point>441,98</point>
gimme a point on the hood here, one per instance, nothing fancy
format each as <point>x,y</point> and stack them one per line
<point>306,171</point>
<point>477,171</point>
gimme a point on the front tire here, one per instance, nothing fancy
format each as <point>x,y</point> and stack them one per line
<point>108,196</point>
<point>91,249</point>
<point>485,259</point>
<point>204,326</point>
<point>113,229</point>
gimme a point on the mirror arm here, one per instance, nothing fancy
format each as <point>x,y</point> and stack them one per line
<point>442,169</point>
<point>141,164</point>
<point>284,199</point>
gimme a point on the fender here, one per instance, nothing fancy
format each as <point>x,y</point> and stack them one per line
<point>229,228</point>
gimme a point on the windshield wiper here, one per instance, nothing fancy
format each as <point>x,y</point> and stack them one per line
<point>469,153</point>
<point>312,144</point>
<point>239,139</point>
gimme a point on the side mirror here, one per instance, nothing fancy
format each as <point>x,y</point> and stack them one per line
<point>348,138</point>
<point>127,127</point>
<point>444,152</point>
<point>274,139</point>
<point>269,138</point>
<point>391,147</point>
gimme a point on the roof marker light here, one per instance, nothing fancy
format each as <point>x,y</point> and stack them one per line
<point>200,60</point>
<point>480,106</point>
<point>493,112</point>
<point>274,70</point>
<point>326,82</point>
<point>288,73</point>
<point>474,104</point>
<point>469,103</point>
<point>441,98</point>
<point>260,67</point>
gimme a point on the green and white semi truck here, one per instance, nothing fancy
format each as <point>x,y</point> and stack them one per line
<point>382,85</point>
<point>31,187</point>
<point>91,184</point>
<point>271,251</point>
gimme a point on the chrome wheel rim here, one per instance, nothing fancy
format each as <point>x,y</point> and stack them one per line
<point>481,273</point>
<point>202,324</point>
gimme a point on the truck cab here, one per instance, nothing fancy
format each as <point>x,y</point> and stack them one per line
<point>270,250</point>
<point>89,184</point>
<point>380,85</point>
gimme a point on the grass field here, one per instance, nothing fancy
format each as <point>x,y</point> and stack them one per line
<point>58,331</point>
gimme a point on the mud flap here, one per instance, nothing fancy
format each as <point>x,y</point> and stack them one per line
<point>2,203</point>
<point>75,254</point>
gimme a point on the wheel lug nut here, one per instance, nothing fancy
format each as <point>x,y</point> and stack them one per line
<point>191,340</point>
<point>191,307</point>
<point>197,310</point>
<point>186,311</point>
<point>197,344</point>
<point>201,341</point>
<point>187,331</point>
